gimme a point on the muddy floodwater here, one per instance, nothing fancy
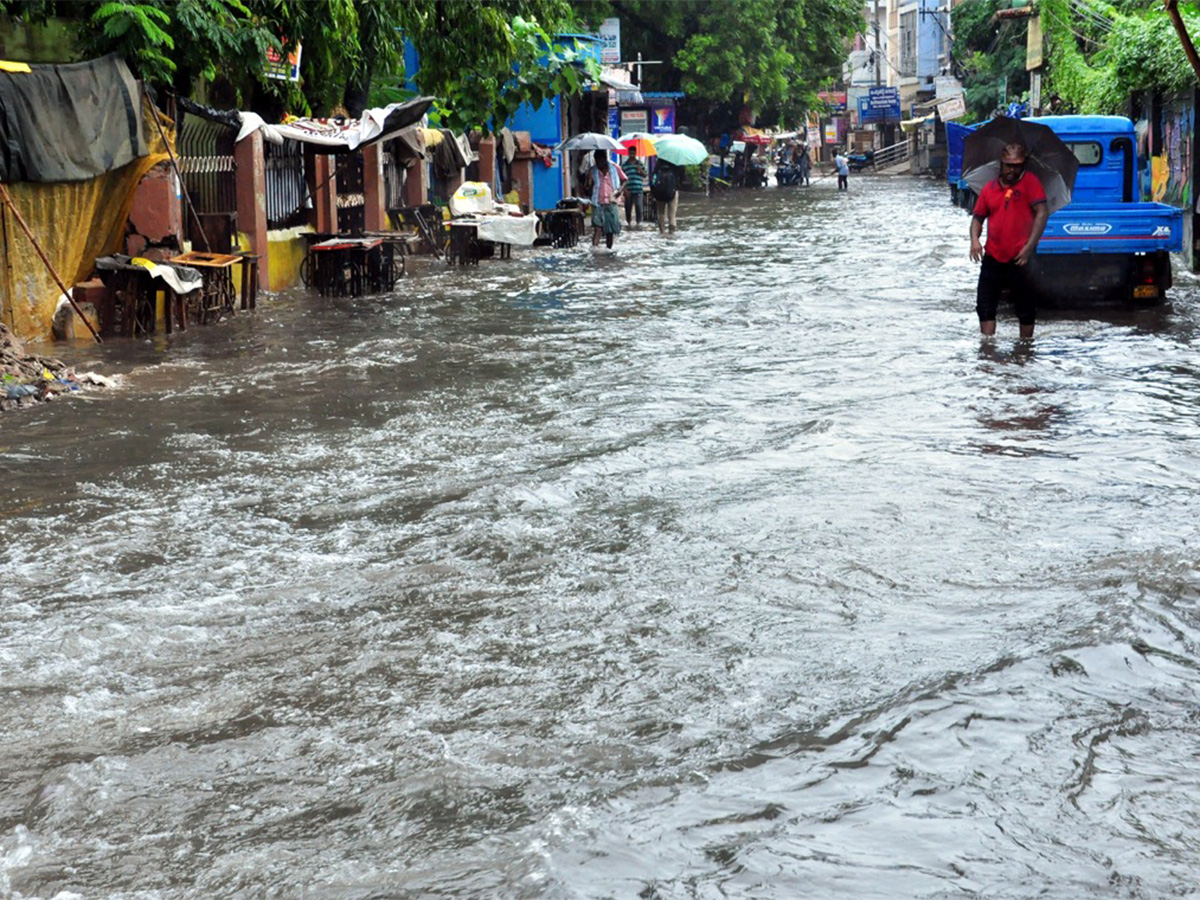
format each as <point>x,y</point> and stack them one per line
<point>730,564</point>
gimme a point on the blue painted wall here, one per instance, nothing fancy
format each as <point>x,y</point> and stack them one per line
<point>544,124</point>
<point>547,183</point>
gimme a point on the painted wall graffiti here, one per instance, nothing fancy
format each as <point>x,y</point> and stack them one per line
<point>1171,175</point>
<point>1166,176</point>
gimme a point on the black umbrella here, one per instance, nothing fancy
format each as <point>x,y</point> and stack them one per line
<point>1049,158</point>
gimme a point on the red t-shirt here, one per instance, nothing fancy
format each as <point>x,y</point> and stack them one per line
<point>1009,215</point>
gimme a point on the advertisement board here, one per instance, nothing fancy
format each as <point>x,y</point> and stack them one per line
<point>836,100</point>
<point>662,120</point>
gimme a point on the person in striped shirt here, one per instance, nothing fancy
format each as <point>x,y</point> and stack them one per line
<point>635,173</point>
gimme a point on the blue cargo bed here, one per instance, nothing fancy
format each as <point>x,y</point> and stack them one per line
<point>1124,228</point>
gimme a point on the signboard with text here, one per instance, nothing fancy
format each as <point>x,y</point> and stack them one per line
<point>634,120</point>
<point>946,86</point>
<point>952,108</point>
<point>835,100</point>
<point>610,42</point>
<point>882,104</point>
<point>284,70</point>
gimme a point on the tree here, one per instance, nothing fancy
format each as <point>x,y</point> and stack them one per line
<point>771,55</point>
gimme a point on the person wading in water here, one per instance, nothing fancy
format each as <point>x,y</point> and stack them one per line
<point>606,189</point>
<point>1014,207</point>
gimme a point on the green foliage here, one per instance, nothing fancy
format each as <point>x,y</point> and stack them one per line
<point>172,43</point>
<point>1146,53</point>
<point>990,56</point>
<point>328,33</point>
<point>139,30</point>
<point>484,60</point>
<point>1098,53</point>
<point>1078,67</point>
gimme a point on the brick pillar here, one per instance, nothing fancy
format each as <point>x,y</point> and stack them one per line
<point>522,179</point>
<point>252,199</point>
<point>416,184</point>
<point>374,192</point>
<point>324,191</point>
<point>487,163</point>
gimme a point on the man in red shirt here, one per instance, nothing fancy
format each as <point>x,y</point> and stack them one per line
<point>1014,207</point>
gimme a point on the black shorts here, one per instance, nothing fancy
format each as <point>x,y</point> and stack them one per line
<point>994,277</point>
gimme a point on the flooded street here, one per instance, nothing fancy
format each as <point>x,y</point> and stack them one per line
<point>732,564</point>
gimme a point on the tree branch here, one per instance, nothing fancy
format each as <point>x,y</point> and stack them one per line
<point>1172,7</point>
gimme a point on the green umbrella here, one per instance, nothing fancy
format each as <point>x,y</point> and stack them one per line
<point>681,150</point>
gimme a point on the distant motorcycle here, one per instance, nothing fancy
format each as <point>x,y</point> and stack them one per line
<point>787,174</point>
<point>860,161</point>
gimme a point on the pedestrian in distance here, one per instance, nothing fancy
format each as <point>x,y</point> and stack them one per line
<point>635,181</point>
<point>607,180</point>
<point>664,186</point>
<point>843,170</point>
<point>1014,208</point>
<point>804,164</point>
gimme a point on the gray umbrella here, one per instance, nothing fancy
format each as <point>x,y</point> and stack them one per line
<point>1049,158</point>
<point>590,140</point>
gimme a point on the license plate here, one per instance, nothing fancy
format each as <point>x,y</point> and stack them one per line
<point>1142,291</point>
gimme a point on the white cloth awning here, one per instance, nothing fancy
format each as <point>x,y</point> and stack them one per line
<point>340,135</point>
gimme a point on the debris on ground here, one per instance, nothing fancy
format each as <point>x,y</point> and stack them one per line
<point>27,378</point>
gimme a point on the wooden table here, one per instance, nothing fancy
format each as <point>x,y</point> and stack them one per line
<point>219,294</point>
<point>351,266</point>
<point>132,290</point>
<point>562,227</point>
<point>466,247</point>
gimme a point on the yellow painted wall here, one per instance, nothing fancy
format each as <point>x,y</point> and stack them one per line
<point>285,252</point>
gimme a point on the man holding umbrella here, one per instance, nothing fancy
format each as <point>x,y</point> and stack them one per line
<point>1014,207</point>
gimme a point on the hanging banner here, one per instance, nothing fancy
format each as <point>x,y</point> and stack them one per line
<point>662,120</point>
<point>610,42</point>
